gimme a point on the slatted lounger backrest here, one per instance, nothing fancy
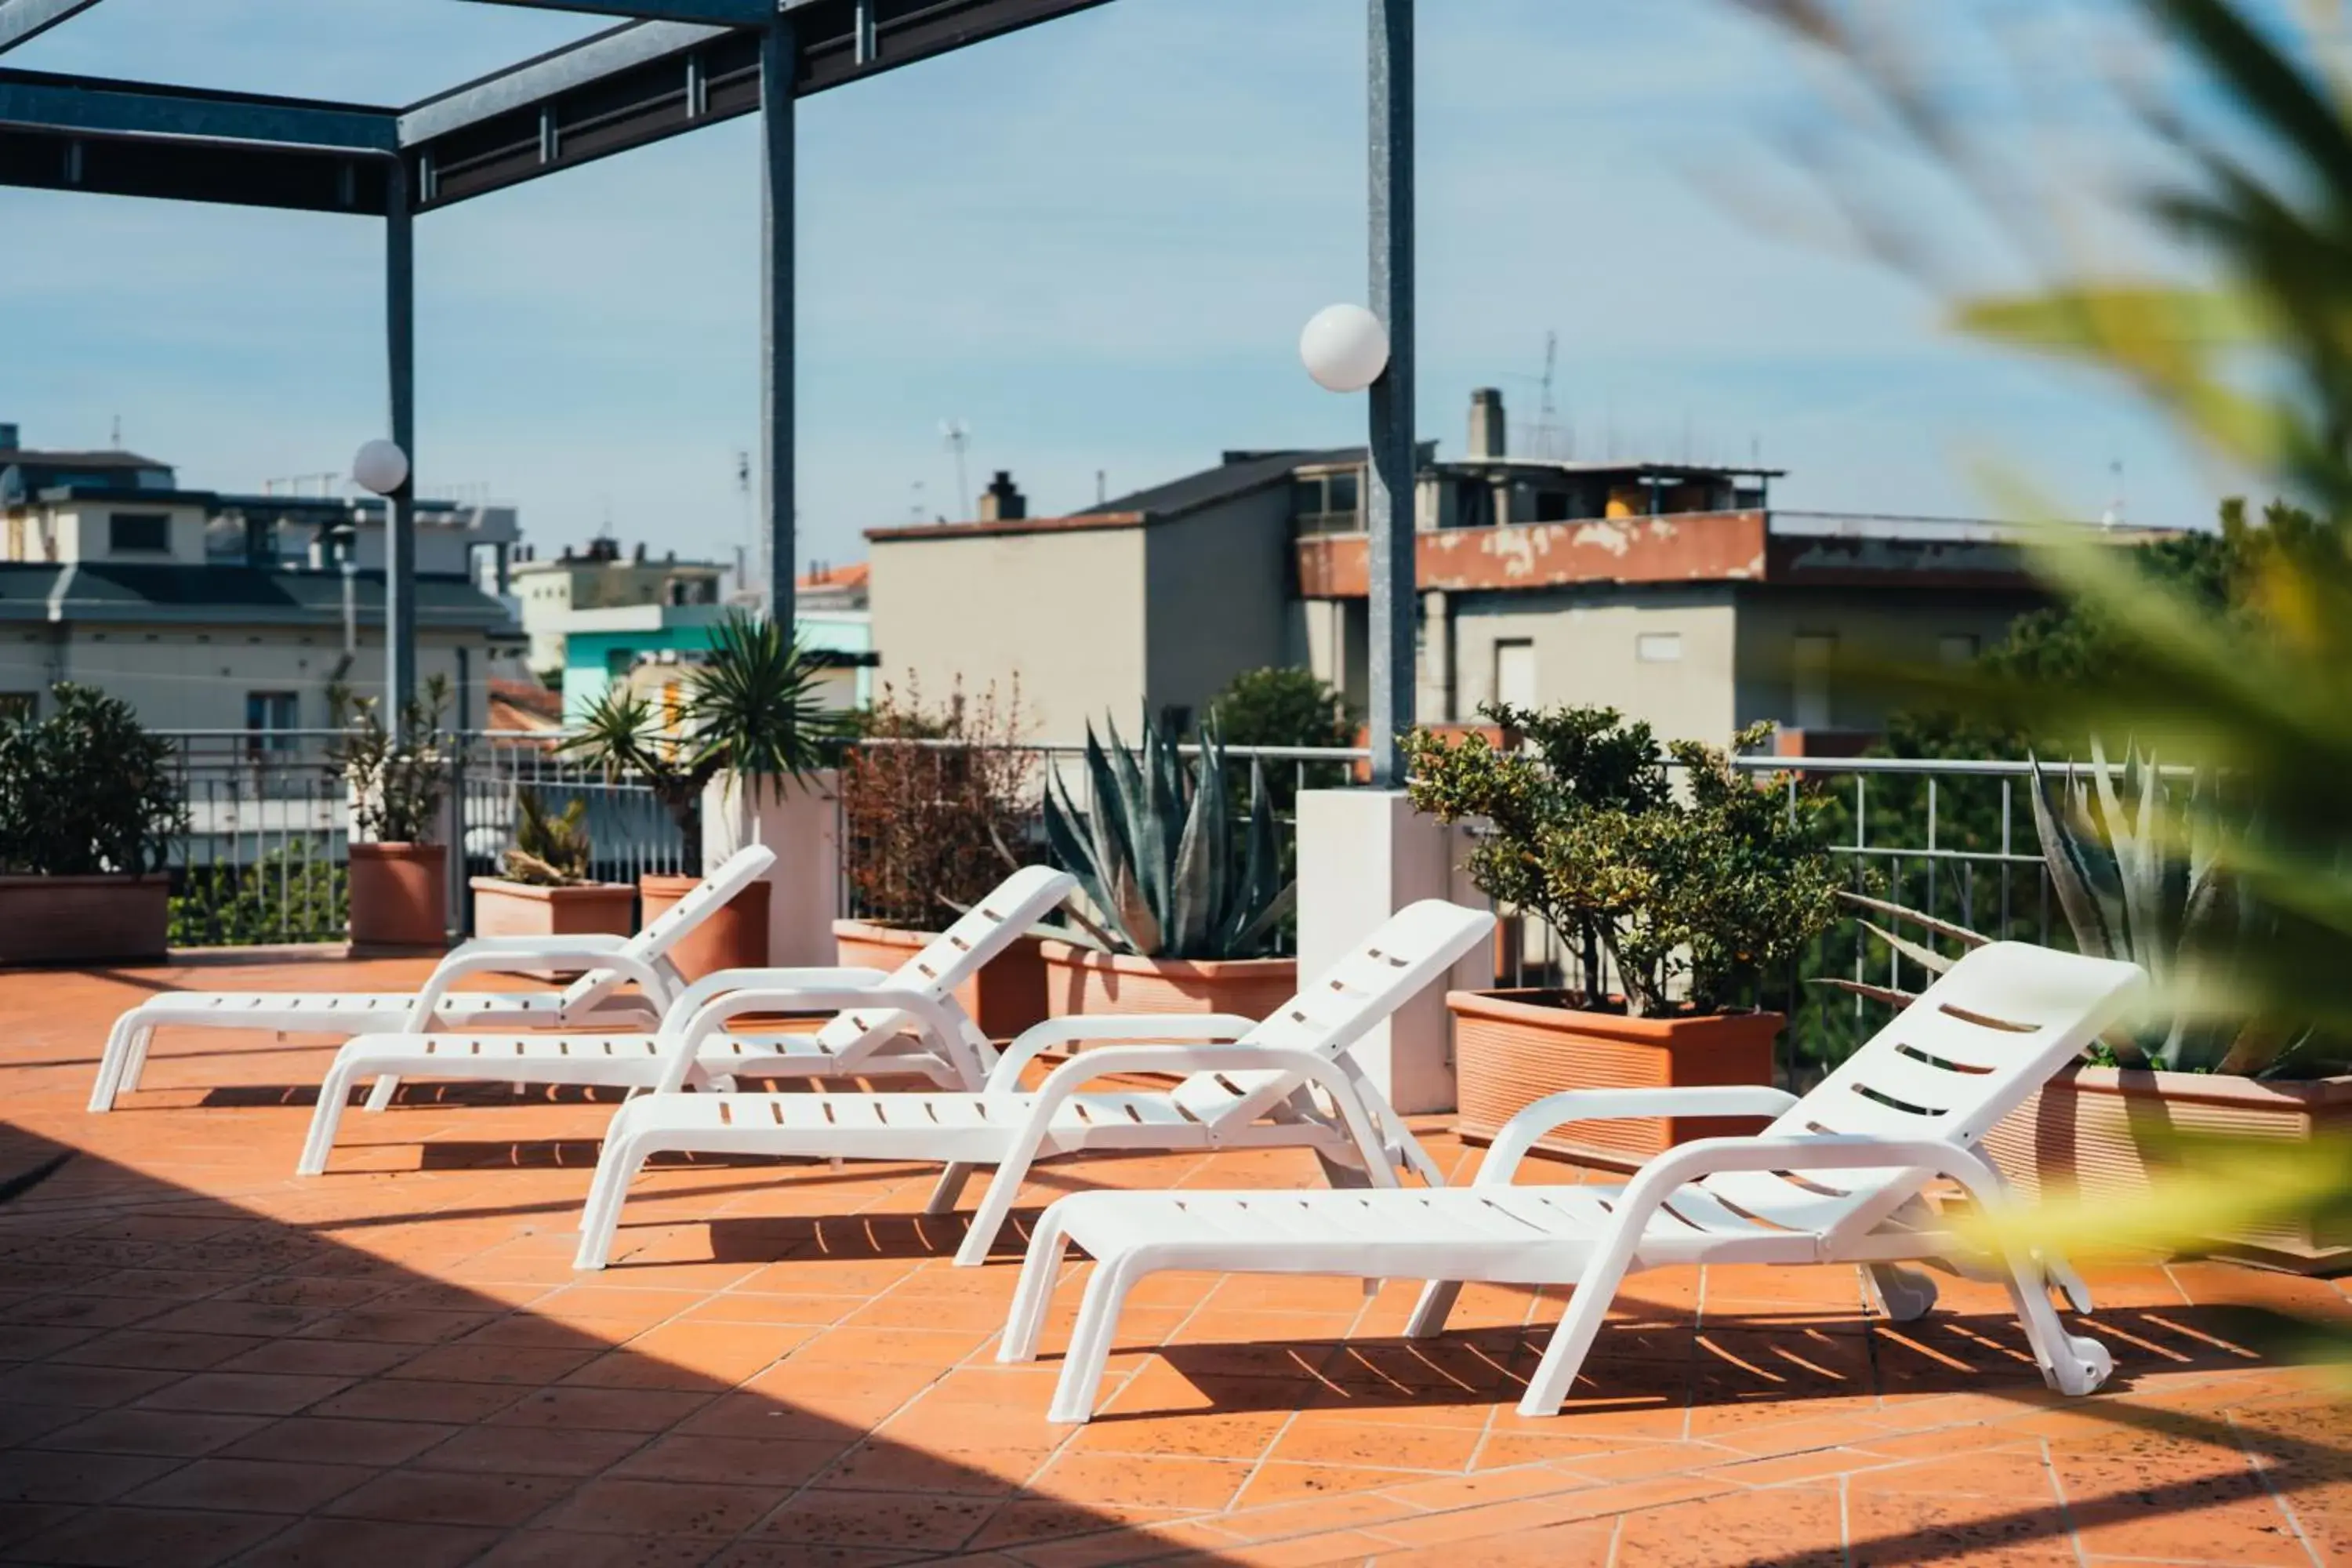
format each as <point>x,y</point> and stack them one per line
<point>1970,1050</point>
<point>1011,908</point>
<point>1411,948</point>
<point>653,944</point>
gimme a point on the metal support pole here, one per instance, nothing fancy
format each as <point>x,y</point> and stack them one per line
<point>779,63</point>
<point>400,507</point>
<point>1395,459</point>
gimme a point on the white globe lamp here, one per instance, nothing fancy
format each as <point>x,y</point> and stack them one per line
<point>380,465</point>
<point>1344,348</point>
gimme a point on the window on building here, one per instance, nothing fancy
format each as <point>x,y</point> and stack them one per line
<point>1659,647</point>
<point>19,707</point>
<point>1515,673</point>
<point>1812,660</point>
<point>1956,647</point>
<point>270,720</point>
<point>1327,503</point>
<point>619,661</point>
<point>139,532</point>
<point>1176,717</point>
<point>1551,506</point>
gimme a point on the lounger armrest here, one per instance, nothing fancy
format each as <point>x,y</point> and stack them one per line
<point>1005,1077</point>
<point>481,957</point>
<point>683,1034</point>
<point>1312,1067</point>
<point>575,945</point>
<point>691,999</point>
<point>1554,1111</point>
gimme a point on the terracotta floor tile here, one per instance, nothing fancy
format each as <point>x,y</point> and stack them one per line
<point>94,1386</point>
<point>990,1471</point>
<point>610,1409</point>
<point>59,1476</point>
<point>1551,1546</point>
<point>369,1543</point>
<point>451,1497</point>
<point>182,1434</point>
<point>416,1399</point>
<point>912,1520</point>
<point>744,1461</point>
<point>628,1506</point>
<point>245,1393</point>
<point>150,1538</point>
<point>1280,1481</point>
<point>337,1440</point>
<point>252,1486</point>
<point>1158,1481</point>
<point>575,1549</point>
<point>1385,1443</point>
<point>531,1450</point>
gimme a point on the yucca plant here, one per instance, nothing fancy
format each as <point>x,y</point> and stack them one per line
<point>1159,855</point>
<point>550,850</point>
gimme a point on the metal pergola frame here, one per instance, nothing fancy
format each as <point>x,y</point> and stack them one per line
<point>671,67</point>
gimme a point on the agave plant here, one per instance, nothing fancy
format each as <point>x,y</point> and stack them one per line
<point>2132,889</point>
<point>1159,855</point>
<point>551,849</point>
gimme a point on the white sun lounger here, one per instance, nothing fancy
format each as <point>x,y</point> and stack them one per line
<point>1251,1093</point>
<point>905,1023</point>
<point>593,1001</point>
<point>1836,1178</point>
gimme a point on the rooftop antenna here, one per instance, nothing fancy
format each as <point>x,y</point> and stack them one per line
<point>915,505</point>
<point>958,438</point>
<point>754,544</point>
<point>2114,516</point>
<point>115,440</point>
<point>1102,486</point>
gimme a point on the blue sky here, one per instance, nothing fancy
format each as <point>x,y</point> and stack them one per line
<point>1092,243</point>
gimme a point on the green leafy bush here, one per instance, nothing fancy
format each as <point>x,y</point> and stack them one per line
<point>1158,858</point>
<point>291,894</point>
<point>1698,887</point>
<point>86,790</point>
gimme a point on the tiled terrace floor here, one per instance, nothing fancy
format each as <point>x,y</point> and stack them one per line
<point>204,1359</point>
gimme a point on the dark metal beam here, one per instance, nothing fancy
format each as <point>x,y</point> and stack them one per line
<point>105,107</point>
<point>1395,465</point>
<point>713,13</point>
<point>777,359</point>
<point>399,377</point>
<point>649,80</point>
<point>22,20</point>
<point>299,179</point>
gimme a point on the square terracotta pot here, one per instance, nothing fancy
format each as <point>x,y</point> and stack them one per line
<point>1085,979</point>
<point>519,909</point>
<point>734,936</point>
<point>1005,997</point>
<point>2095,1130</point>
<point>1512,1048</point>
<point>400,895</point>
<point>83,920</point>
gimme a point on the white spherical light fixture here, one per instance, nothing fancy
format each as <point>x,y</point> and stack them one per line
<point>380,465</point>
<point>1345,348</point>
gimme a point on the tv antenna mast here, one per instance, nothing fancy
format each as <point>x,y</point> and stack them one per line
<point>958,438</point>
<point>1544,436</point>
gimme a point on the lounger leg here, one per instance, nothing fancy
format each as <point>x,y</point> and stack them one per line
<point>1039,1270</point>
<point>624,1154</point>
<point>949,1190</point>
<point>1563,1358</point>
<point>996,1203</point>
<point>1075,1390</point>
<point>121,1041</point>
<point>387,1086</point>
<point>334,1091</point>
<point>1429,1313</point>
<point>134,1062</point>
<point>2070,1364</point>
<point>1904,1295</point>
<point>2061,1273</point>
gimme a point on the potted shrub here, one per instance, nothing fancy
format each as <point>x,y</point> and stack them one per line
<point>2140,866</point>
<point>1675,893</point>
<point>546,891</point>
<point>397,777</point>
<point>933,806</point>
<point>750,724</point>
<point>89,810</point>
<point>1183,906</point>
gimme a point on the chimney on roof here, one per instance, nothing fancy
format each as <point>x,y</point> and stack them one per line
<point>1001,502</point>
<point>9,440</point>
<point>1487,437</point>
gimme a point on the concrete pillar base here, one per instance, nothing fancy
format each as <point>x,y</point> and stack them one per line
<point>1363,855</point>
<point>800,819</point>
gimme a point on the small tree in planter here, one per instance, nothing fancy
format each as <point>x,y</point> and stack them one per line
<point>1186,899</point>
<point>545,891</point>
<point>751,724</point>
<point>88,811</point>
<point>1677,888</point>
<point>397,776</point>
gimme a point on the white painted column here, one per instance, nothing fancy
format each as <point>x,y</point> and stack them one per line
<point>800,819</point>
<point>1364,854</point>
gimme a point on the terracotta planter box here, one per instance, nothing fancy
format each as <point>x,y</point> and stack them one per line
<point>400,895</point>
<point>83,920</point>
<point>2088,1131</point>
<point>522,909</point>
<point>734,936</point>
<point>1005,998</point>
<point>1513,1047</point>
<point>1085,980</point>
